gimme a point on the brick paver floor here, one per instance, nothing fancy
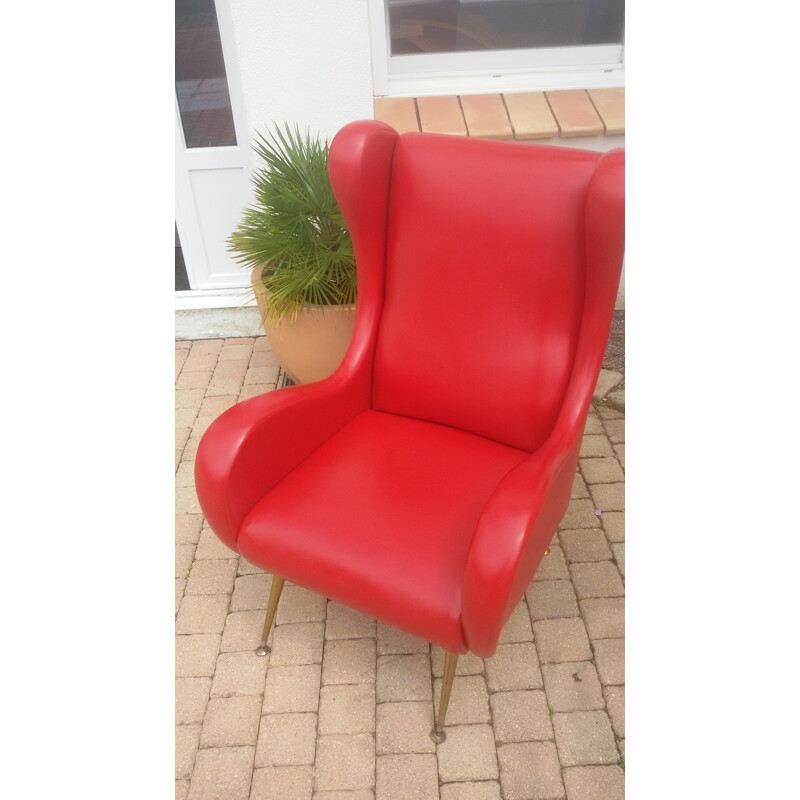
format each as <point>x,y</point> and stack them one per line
<point>343,706</point>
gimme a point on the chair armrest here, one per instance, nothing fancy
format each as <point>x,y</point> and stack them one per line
<point>510,538</point>
<point>257,442</point>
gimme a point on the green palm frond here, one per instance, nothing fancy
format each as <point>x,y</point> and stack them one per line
<point>295,229</point>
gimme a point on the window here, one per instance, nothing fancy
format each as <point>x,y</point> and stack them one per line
<point>425,46</point>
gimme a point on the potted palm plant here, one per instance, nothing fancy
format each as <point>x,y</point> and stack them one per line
<point>295,241</point>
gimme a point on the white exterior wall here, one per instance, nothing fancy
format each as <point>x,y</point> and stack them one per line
<point>304,61</point>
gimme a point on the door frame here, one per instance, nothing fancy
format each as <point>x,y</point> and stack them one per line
<point>226,294</point>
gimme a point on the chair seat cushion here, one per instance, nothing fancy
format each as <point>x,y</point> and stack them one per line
<point>380,518</point>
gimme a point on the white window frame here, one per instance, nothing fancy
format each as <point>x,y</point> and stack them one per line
<point>534,69</point>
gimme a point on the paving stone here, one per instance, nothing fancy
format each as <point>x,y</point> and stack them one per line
<point>183,344</point>
<point>562,640</point>
<point>595,446</point>
<point>212,576</point>
<point>236,351</point>
<point>186,501</point>
<point>347,708</point>
<point>596,579</point>
<point>593,425</point>
<point>604,412</point>
<point>181,790</point>
<point>181,437</point>
<point>202,614</point>
<point>585,545</point>
<point>585,737</point>
<point>392,641</point>
<point>292,688</point>
<point>472,790</point>
<point>551,599</point>
<point>184,477</point>
<point>180,586</point>
<point>521,716</point>
<point>254,389</point>
<point>591,783</point>
<point>231,369</point>
<point>191,696</point>
<point>403,677</point>
<point>573,686</point>
<point>349,661</point>
<point>601,470</point>
<point>200,363</point>
<point>514,666</point>
<point>282,783</point>
<point>614,525</point>
<point>187,528</point>
<point>619,555</point>
<point>214,406</point>
<point>469,700</point>
<point>345,762</point>
<point>621,747</point>
<point>357,794</point>
<point>231,721</point>
<point>407,776</point>
<point>580,514</point>
<point>552,567</point>
<point>264,358</point>
<point>345,623</point>
<point>251,592</point>
<point>468,754</point>
<point>518,626</point>
<point>239,673</point>
<point>189,398</point>
<point>210,546</point>
<point>242,631</point>
<point>606,381</point>
<point>579,488</point>
<point>246,568</point>
<point>615,429</point>
<point>605,617</point>
<point>196,655</point>
<point>261,375</point>
<point>222,773</point>
<point>530,771</point>
<point>609,654</point>
<point>615,704</point>
<point>298,643</point>
<point>404,728</point>
<point>187,740</point>
<point>225,385</point>
<point>467,664</point>
<point>204,347</point>
<point>193,380</point>
<point>286,739</point>
<point>608,496</point>
<point>300,605</point>
<point>184,554</point>
<point>619,449</point>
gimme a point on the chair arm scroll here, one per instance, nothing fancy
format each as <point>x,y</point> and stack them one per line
<point>257,442</point>
<point>512,534</point>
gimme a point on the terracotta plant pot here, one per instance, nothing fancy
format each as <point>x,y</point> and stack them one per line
<point>312,347</point>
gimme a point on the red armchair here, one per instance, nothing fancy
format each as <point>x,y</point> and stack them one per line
<point>422,482</point>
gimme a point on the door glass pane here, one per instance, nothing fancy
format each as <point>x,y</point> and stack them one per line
<point>181,278</point>
<point>200,79</point>
<point>446,26</point>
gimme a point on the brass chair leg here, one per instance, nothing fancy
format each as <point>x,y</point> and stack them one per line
<point>272,607</point>
<point>438,734</point>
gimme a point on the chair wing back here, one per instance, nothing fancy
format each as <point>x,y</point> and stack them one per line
<point>484,284</point>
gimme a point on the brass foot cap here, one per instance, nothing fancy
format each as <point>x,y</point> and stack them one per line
<point>547,551</point>
<point>262,650</point>
<point>438,736</point>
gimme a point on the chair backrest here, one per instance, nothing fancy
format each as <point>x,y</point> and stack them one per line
<point>484,286</point>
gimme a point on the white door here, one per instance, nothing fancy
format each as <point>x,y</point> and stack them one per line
<point>212,153</point>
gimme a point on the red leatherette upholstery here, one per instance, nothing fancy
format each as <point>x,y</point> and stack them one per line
<point>422,481</point>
